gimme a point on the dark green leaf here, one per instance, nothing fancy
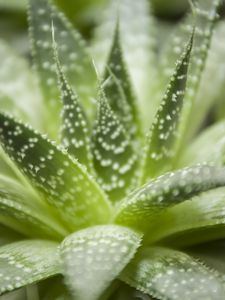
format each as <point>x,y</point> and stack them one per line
<point>163,139</point>
<point>67,186</point>
<point>115,160</point>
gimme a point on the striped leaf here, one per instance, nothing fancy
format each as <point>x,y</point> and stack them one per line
<point>170,275</point>
<point>94,257</point>
<point>72,54</point>
<point>119,91</point>
<point>115,160</point>
<point>66,185</point>
<point>25,262</point>
<point>163,140</point>
<point>74,129</point>
<point>165,192</point>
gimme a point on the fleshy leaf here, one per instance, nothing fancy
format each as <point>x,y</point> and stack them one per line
<point>21,210</point>
<point>26,262</point>
<point>200,220</point>
<point>67,186</point>
<point>170,275</point>
<point>167,191</point>
<point>137,42</point>
<point>119,91</point>
<point>204,17</point>
<point>18,86</point>
<point>201,150</point>
<point>115,160</point>
<point>94,257</point>
<point>75,131</point>
<point>72,54</point>
<point>163,139</point>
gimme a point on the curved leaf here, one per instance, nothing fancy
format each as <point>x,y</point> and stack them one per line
<point>74,129</point>
<point>163,139</point>
<point>199,220</point>
<point>167,191</point>
<point>26,262</point>
<point>94,257</point>
<point>115,160</point>
<point>170,275</point>
<point>72,54</point>
<point>66,185</point>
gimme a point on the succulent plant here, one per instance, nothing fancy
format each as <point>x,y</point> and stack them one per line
<point>84,195</point>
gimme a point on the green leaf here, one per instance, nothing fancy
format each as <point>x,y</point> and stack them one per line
<point>8,235</point>
<point>170,275</point>
<point>74,129</point>
<point>200,150</point>
<point>163,139</point>
<point>212,88</point>
<point>18,86</point>
<point>200,220</point>
<point>94,257</point>
<point>204,17</point>
<point>137,42</point>
<point>119,91</point>
<point>64,182</point>
<point>166,191</point>
<point>72,54</point>
<point>26,262</point>
<point>21,210</point>
<point>115,160</point>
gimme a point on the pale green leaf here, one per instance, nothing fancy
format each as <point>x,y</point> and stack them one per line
<point>72,54</point>
<point>204,16</point>
<point>25,262</point>
<point>94,257</point>
<point>64,182</point>
<point>166,191</point>
<point>138,43</point>
<point>163,139</point>
<point>119,91</point>
<point>115,160</point>
<point>192,222</point>
<point>23,211</point>
<point>212,88</point>
<point>18,86</point>
<point>74,129</point>
<point>201,150</point>
<point>170,275</point>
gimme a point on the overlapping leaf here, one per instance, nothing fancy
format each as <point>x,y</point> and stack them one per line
<point>163,139</point>
<point>74,129</point>
<point>138,43</point>
<point>26,262</point>
<point>170,275</point>
<point>21,210</point>
<point>205,14</point>
<point>115,160</point>
<point>94,257</point>
<point>193,222</point>
<point>119,91</point>
<point>67,186</point>
<point>72,54</point>
<point>167,191</point>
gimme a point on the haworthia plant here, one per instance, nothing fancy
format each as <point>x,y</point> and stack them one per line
<point>90,209</point>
